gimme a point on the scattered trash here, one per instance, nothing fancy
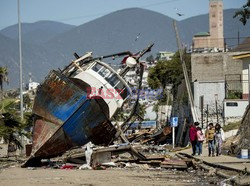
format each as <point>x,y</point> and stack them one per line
<point>67,167</point>
<point>88,153</point>
<point>31,168</point>
<point>85,167</point>
<point>244,153</point>
<point>109,164</point>
<point>223,183</point>
<point>99,167</point>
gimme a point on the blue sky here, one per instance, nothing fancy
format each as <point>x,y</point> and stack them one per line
<point>77,12</point>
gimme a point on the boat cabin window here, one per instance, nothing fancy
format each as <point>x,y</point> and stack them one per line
<point>97,67</point>
<point>112,79</point>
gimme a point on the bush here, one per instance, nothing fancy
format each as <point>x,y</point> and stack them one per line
<point>232,126</point>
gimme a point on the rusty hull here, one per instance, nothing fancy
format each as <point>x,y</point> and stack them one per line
<point>65,118</point>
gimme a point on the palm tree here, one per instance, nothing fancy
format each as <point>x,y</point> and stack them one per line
<point>244,13</point>
<point>9,128</point>
<point>3,76</point>
<point>12,129</point>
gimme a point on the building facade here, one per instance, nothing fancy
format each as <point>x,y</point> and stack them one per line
<point>218,77</point>
<point>164,55</point>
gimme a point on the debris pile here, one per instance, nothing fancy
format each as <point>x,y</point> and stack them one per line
<point>119,156</point>
<point>242,140</point>
<point>150,136</point>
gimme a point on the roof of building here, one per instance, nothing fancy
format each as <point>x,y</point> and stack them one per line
<point>244,46</point>
<point>202,34</point>
<point>165,52</point>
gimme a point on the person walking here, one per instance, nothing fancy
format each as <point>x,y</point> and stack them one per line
<point>218,138</point>
<point>200,139</point>
<point>210,139</point>
<point>193,137</point>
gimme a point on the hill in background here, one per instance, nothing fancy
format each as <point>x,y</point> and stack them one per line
<point>50,45</point>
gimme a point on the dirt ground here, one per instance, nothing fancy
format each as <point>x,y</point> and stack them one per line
<point>15,175</point>
<point>40,176</point>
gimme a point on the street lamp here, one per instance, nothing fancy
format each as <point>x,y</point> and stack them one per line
<point>20,60</point>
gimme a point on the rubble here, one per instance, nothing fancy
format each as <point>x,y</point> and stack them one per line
<point>234,145</point>
<point>147,136</point>
<point>244,132</point>
<point>126,156</point>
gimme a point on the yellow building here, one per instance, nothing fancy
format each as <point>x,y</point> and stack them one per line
<point>245,57</point>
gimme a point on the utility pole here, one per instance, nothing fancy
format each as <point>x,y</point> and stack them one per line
<point>238,36</point>
<point>216,107</point>
<point>249,84</point>
<point>207,114</point>
<point>20,61</point>
<point>201,107</point>
<point>184,67</point>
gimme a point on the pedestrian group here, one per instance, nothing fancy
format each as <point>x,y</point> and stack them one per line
<point>214,136</point>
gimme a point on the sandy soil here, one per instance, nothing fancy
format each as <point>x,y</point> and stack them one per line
<point>15,175</point>
<point>40,176</point>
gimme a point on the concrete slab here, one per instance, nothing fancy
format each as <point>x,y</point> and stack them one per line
<point>222,160</point>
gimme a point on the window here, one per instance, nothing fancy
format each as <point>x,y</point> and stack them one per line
<point>124,93</point>
<point>112,79</point>
<point>232,104</point>
<point>97,67</point>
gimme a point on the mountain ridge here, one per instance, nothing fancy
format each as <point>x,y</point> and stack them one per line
<point>128,29</point>
<point>37,32</point>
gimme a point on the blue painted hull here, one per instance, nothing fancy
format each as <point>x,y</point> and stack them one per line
<point>65,118</point>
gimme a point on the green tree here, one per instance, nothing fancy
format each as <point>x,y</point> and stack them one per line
<point>11,128</point>
<point>3,76</point>
<point>142,110</point>
<point>27,101</point>
<point>150,59</point>
<point>244,13</point>
<point>168,72</point>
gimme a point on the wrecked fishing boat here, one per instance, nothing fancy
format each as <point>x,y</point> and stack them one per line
<point>75,105</point>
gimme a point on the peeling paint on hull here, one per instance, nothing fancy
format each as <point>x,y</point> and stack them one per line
<point>65,118</point>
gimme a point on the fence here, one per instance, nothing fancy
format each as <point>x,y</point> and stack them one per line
<point>236,86</point>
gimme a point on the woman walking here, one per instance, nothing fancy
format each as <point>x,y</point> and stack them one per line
<point>200,139</point>
<point>219,138</point>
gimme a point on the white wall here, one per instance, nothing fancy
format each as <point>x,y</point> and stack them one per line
<point>246,63</point>
<point>235,108</point>
<point>150,114</point>
<point>208,89</point>
<point>230,133</point>
<point>33,85</point>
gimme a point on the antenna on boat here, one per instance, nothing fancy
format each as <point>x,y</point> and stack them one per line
<point>136,57</point>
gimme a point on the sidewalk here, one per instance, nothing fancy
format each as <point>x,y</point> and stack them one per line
<point>222,161</point>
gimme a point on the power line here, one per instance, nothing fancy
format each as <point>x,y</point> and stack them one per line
<point>159,3</point>
<point>105,13</point>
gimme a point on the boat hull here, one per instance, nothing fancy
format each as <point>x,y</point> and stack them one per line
<point>65,117</point>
